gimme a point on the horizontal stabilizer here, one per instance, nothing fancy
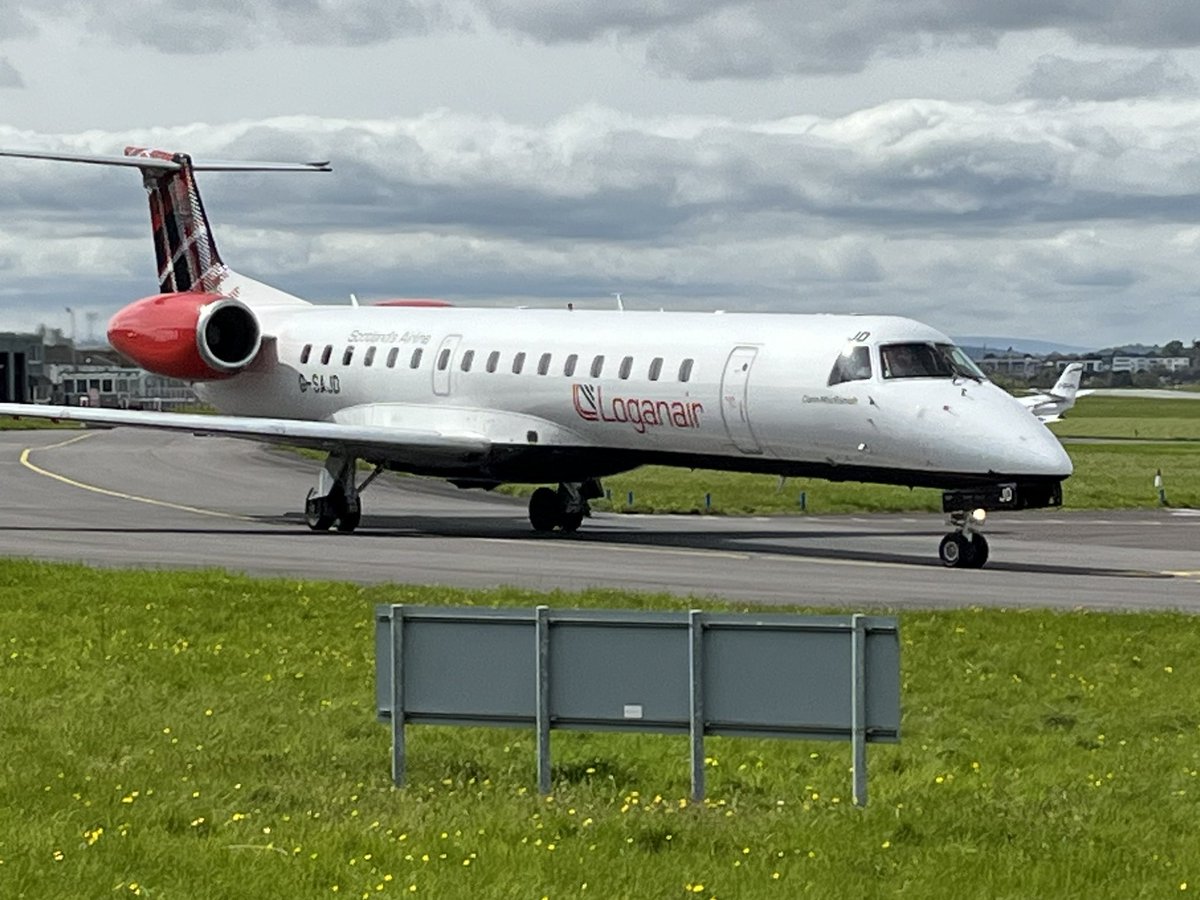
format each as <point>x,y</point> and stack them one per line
<point>167,164</point>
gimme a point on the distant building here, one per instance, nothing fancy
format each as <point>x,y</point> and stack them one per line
<point>46,368</point>
<point>1019,365</point>
<point>1131,364</point>
<point>1132,360</point>
<point>1150,363</point>
<point>21,376</point>
<point>1171,363</point>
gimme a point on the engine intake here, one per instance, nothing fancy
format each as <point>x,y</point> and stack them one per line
<point>227,335</point>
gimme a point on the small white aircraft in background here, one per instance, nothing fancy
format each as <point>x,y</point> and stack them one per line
<point>485,396</point>
<point>1050,406</point>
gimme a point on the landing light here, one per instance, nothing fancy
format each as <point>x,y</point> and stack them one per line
<point>978,516</point>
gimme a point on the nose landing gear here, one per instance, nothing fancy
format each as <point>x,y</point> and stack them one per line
<point>963,548</point>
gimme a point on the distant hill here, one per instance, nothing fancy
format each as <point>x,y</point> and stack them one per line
<point>978,347</point>
<point>1134,349</point>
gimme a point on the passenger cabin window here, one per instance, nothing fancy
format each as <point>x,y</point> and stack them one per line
<point>853,365</point>
<point>443,359</point>
<point>597,366</point>
<point>467,359</point>
<point>920,360</point>
<point>655,368</point>
<point>347,356</point>
<point>518,363</point>
<point>493,360</point>
<point>326,354</point>
<point>626,368</point>
<point>544,364</point>
<point>391,357</point>
<point>569,364</point>
<point>415,361</point>
<point>369,357</point>
<point>685,370</point>
<point>304,354</point>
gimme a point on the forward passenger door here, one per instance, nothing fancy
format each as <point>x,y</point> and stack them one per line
<point>735,399</point>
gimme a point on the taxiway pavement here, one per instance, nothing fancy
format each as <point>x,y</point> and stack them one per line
<point>148,499</point>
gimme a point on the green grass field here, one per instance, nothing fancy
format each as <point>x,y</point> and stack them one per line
<point>1131,417</point>
<point>184,735</point>
<point>15,423</point>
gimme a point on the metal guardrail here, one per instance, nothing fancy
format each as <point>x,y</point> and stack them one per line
<point>695,673</point>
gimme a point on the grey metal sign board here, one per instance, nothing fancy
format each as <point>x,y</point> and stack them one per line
<point>810,677</point>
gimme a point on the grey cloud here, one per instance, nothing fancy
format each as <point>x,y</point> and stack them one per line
<point>694,39</point>
<point>1097,276</point>
<point>554,21</point>
<point>180,26</point>
<point>907,207</point>
<point>14,23</point>
<point>597,175</point>
<point>1055,78</point>
<point>9,76</point>
<point>706,39</point>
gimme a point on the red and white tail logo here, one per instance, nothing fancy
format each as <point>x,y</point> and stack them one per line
<point>183,242</point>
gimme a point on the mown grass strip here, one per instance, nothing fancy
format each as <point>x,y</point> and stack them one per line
<point>210,735</point>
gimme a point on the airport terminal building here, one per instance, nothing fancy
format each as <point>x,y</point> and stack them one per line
<point>44,367</point>
<point>22,379</point>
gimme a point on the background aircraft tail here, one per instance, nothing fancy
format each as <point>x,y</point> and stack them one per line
<point>1050,406</point>
<point>1067,385</point>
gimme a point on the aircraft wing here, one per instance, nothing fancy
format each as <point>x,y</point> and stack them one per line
<point>395,443</point>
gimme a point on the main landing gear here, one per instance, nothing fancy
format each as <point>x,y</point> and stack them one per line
<point>335,501</point>
<point>965,547</point>
<point>565,508</point>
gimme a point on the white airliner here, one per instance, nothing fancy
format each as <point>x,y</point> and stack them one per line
<point>1050,406</point>
<point>561,396</point>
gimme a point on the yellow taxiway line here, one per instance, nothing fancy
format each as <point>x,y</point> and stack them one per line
<point>120,495</point>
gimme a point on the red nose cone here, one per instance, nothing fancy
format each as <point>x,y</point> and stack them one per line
<point>159,334</point>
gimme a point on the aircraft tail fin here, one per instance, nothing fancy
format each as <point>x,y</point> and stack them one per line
<point>1067,385</point>
<point>184,247</point>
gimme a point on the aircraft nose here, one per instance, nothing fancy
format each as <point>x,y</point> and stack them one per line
<point>1048,455</point>
<point>1031,448</point>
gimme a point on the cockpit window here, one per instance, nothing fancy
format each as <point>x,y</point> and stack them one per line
<point>963,364</point>
<point>919,360</point>
<point>853,365</point>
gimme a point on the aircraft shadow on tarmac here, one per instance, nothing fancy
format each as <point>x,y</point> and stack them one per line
<point>763,543</point>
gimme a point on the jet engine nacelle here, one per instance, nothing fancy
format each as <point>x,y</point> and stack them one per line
<point>191,335</point>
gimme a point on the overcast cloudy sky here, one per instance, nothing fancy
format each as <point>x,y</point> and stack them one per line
<point>1005,167</point>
